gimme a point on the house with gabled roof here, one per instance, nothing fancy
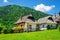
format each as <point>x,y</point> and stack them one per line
<point>44,22</point>
<point>26,23</point>
<point>49,20</point>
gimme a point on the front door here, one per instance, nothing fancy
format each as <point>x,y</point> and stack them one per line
<point>37,27</point>
<point>30,28</point>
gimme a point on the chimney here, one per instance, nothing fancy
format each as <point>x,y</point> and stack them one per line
<point>30,14</point>
<point>21,17</point>
<point>55,15</point>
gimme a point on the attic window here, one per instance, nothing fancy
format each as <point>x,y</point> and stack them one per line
<point>32,18</point>
<point>58,22</point>
<point>50,18</point>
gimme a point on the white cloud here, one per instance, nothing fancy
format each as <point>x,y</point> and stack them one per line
<point>5,1</point>
<point>44,8</point>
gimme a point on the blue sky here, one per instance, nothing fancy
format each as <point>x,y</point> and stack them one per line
<point>47,6</point>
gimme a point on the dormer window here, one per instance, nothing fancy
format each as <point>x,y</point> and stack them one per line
<point>32,18</point>
<point>50,18</point>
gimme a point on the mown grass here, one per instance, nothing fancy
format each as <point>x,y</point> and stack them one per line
<point>39,35</point>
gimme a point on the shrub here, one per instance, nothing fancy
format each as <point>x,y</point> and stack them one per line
<point>11,31</point>
<point>48,27</point>
<point>21,30</point>
<point>59,27</point>
<point>0,29</point>
<point>5,31</point>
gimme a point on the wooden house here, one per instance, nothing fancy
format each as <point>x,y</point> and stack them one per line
<point>26,23</point>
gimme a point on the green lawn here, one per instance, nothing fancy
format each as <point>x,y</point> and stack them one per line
<point>39,35</point>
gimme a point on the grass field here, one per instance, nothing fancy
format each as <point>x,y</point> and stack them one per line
<point>39,35</point>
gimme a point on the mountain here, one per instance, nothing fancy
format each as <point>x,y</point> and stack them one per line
<point>11,13</point>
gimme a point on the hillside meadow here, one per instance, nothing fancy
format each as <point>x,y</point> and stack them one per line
<point>39,35</point>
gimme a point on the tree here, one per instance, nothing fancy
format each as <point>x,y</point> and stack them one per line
<point>0,29</point>
<point>49,27</point>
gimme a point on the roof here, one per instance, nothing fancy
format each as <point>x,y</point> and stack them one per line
<point>46,20</point>
<point>58,18</point>
<point>40,21</point>
<point>24,19</point>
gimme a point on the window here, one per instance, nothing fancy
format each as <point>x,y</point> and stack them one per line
<point>50,18</point>
<point>21,25</point>
<point>32,18</point>
<point>30,26</point>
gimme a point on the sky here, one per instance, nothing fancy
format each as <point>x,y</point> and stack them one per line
<point>47,6</point>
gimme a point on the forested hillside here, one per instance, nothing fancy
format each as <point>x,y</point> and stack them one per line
<point>11,13</point>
